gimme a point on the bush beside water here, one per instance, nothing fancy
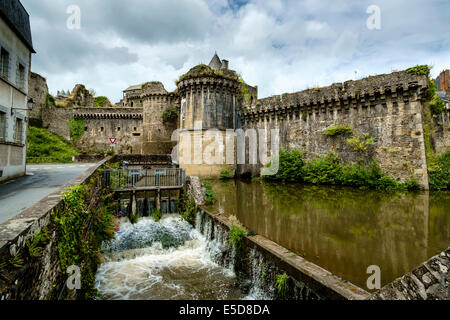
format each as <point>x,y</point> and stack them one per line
<point>329,170</point>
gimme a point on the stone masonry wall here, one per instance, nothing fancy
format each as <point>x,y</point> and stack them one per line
<point>386,107</point>
<point>430,281</point>
<point>37,90</point>
<point>125,124</point>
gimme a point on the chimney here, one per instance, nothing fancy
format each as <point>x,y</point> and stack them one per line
<point>225,64</point>
<point>445,80</point>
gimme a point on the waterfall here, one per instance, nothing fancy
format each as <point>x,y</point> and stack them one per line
<point>224,254</point>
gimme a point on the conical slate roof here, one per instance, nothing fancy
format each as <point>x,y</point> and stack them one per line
<point>215,63</point>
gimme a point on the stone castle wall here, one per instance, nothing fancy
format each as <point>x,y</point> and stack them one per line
<point>37,90</point>
<point>156,134</point>
<point>100,124</point>
<point>386,107</point>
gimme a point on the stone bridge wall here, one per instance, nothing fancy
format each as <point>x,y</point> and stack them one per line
<point>41,277</point>
<point>386,107</point>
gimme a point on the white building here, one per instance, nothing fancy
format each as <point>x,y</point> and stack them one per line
<point>15,62</point>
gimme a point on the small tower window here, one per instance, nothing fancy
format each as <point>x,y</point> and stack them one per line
<point>118,128</point>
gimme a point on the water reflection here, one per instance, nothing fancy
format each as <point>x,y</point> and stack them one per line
<point>344,230</point>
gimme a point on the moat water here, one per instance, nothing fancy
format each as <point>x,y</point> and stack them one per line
<point>343,230</point>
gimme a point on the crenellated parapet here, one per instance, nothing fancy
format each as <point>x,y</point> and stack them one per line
<point>137,116</point>
<point>368,92</point>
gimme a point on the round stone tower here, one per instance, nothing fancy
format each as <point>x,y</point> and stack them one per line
<point>210,98</point>
<point>157,133</point>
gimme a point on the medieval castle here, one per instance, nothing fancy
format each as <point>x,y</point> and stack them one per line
<point>388,108</point>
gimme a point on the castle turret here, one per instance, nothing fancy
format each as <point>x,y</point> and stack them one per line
<point>158,131</point>
<point>210,97</point>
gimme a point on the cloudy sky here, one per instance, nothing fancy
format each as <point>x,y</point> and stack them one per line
<point>279,45</point>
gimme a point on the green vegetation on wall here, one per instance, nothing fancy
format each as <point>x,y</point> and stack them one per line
<point>47,147</point>
<point>80,233</point>
<point>76,128</point>
<point>338,130</point>
<point>281,284</point>
<point>361,143</point>
<point>329,170</point>
<point>244,89</point>
<point>49,101</point>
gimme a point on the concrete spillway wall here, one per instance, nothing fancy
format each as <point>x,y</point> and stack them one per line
<point>260,261</point>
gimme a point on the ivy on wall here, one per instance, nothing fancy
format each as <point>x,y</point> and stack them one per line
<point>76,128</point>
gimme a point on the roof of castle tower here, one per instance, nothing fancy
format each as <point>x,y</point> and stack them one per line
<point>154,87</point>
<point>202,70</point>
<point>215,63</point>
<point>134,87</point>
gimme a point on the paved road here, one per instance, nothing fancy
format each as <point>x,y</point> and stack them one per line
<point>22,193</point>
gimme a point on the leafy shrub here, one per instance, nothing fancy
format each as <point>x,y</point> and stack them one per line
<point>209,193</point>
<point>439,172</point>
<point>157,215</point>
<point>226,174</point>
<point>190,211</point>
<point>100,101</point>
<point>329,170</point>
<point>338,130</point>
<point>170,114</point>
<point>419,70</point>
<point>290,166</point>
<point>236,236</point>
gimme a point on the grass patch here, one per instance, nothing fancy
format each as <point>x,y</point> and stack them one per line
<point>47,147</point>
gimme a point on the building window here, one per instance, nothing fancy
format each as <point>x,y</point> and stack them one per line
<point>118,129</point>
<point>18,133</point>
<point>20,77</point>
<point>2,126</point>
<point>4,63</point>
